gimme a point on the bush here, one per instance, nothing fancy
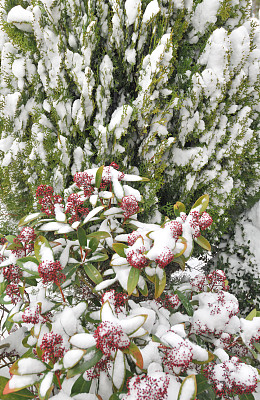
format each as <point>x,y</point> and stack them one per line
<point>90,311</point>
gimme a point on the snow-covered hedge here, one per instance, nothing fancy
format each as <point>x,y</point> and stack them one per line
<point>170,87</point>
<point>89,311</point>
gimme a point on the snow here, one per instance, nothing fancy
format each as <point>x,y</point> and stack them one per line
<point>72,357</point>
<point>151,10</point>
<point>29,366</point>
<point>131,8</point>
<point>21,18</point>
<point>119,369</point>
<point>83,340</point>
<point>46,383</point>
<point>188,389</point>
<point>17,381</point>
<point>46,253</point>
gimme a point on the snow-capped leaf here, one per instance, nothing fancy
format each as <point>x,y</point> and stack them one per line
<point>98,178</point>
<point>201,203</point>
<point>183,241</point>
<point>136,353</point>
<point>93,273</point>
<point>106,312</point>
<point>82,367</point>
<point>97,257</point>
<point>144,289</point>
<point>42,249</point>
<point>18,382</point>
<point>119,370</point>
<point>30,265</point>
<point>210,358</point>
<point>160,284</point>
<point>92,213</point>
<point>134,178</point>
<point>105,284</point>
<point>131,324</point>
<point>83,340</point>
<point>23,394</point>
<point>29,218</point>
<point>52,226</point>
<point>46,385</point>
<point>27,366</point>
<point>72,357</point>
<point>203,242</point>
<point>251,315</point>
<point>133,279</point>
<point>188,389</point>
<point>120,249</point>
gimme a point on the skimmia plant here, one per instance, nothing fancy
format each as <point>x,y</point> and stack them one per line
<point>90,311</point>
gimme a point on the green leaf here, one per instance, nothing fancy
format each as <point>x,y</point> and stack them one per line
<point>136,353</point>
<point>99,235</point>
<point>251,315</point>
<point>203,242</point>
<point>181,261</point>
<point>159,284</point>
<point>257,346</point>
<point>10,238</point>
<point>93,244</point>
<point>204,389</point>
<point>98,178</point>
<point>41,243</point>
<point>80,386</point>
<point>178,208</point>
<point>185,302</point>
<point>210,358</point>
<point>120,249</point>
<point>202,203</point>
<point>188,381</point>
<point>97,257</point>
<point>93,273</point>
<point>133,279</point>
<point>29,218</point>
<point>246,396</point>
<point>24,260</point>
<point>114,396</point>
<point>23,394</point>
<point>143,290</point>
<point>31,281</point>
<point>81,368</point>
<point>82,237</point>
<point>14,246</point>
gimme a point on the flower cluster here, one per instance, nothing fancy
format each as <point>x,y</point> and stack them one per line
<point>136,258</point>
<point>12,273</point>
<point>103,365</point>
<point>148,387</point>
<point>74,207</point>
<point>132,237</point>
<point>232,378</point>
<point>177,358</point>
<point>84,181</point>
<point>51,347</point>
<point>12,290</point>
<point>27,237</point>
<point>130,206</point>
<point>175,227</point>
<point>169,301</point>
<point>197,221</point>
<point>50,271</point>
<point>110,337</point>
<point>47,199</point>
<point>165,257</point>
<point>215,282</point>
<point>117,300</point>
<point>31,315</point>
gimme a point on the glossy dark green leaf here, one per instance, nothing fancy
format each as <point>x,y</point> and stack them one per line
<point>202,203</point>
<point>203,242</point>
<point>204,389</point>
<point>29,218</point>
<point>80,386</point>
<point>246,396</point>
<point>10,238</point>
<point>181,261</point>
<point>178,208</point>
<point>82,237</point>
<point>99,235</point>
<point>185,302</point>
<point>93,244</point>
<point>93,273</point>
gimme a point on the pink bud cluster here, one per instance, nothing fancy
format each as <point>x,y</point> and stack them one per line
<point>12,273</point>
<point>107,174</point>
<point>31,315</point>
<point>215,281</point>
<point>179,356</point>
<point>51,346</point>
<point>102,365</point>
<point>130,206</point>
<point>27,237</point>
<point>197,221</point>
<point>165,257</point>
<point>110,337</point>
<point>231,378</point>
<point>148,387</point>
<point>75,208</point>
<point>169,301</point>
<point>136,258</point>
<point>84,181</point>
<point>12,290</point>
<point>47,199</point>
<point>175,227</point>
<point>132,237</point>
<point>116,299</point>
<point>50,271</point>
